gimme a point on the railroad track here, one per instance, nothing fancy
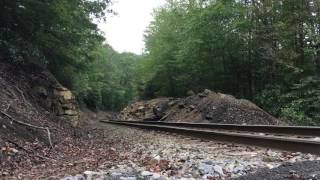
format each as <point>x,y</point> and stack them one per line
<point>291,138</point>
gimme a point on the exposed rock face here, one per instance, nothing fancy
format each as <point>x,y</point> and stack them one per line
<point>207,106</point>
<point>65,105</point>
<point>31,95</point>
<point>59,100</point>
<point>40,88</point>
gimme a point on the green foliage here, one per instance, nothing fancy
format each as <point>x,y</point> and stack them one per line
<point>108,83</point>
<point>267,51</point>
<point>258,50</point>
<point>303,102</point>
<point>57,34</point>
<point>300,103</point>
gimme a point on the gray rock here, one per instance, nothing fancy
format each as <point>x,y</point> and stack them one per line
<point>195,174</point>
<point>205,169</point>
<point>128,178</point>
<point>79,177</point>
<point>146,173</point>
<point>155,176</point>
<point>209,162</point>
<point>218,169</point>
<point>68,178</point>
<point>116,175</point>
<point>162,178</point>
<point>238,169</point>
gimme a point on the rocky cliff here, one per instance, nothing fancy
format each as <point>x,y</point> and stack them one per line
<point>55,98</point>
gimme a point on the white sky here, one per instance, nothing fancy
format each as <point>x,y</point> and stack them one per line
<point>124,32</point>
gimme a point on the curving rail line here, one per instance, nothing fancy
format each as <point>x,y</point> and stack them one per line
<point>241,134</point>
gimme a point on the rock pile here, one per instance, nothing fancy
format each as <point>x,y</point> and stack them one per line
<point>207,106</point>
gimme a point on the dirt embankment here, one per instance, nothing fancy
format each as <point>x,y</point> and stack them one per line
<point>207,106</point>
<point>31,98</point>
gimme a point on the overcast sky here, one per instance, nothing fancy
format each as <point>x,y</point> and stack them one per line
<point>124,32</point>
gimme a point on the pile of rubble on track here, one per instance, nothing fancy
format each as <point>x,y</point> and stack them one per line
<point>207,107</point>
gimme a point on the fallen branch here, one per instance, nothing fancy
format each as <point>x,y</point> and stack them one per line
<point>29,125</point>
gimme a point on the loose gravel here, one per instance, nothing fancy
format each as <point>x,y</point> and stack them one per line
<point>159,156</point>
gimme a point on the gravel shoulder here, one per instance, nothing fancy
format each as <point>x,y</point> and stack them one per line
<point>159,155</point>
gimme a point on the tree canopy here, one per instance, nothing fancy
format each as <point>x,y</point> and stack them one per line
<point>263,50</point>
<point>267,51</point>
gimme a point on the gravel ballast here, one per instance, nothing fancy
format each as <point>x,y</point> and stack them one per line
<point>159,155</point>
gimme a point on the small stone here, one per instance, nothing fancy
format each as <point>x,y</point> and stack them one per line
<point>270,166</point>
<point>157,157</point>
<point>205,169</point>
<point>79,177</point>
<point>162,178</point>
<point>218,169</point>
<point>207,91</point>
<point>89,173</point>
<point>146,173</point>
<point>195,174</point>
<point>292,171</point>
<point>229,167</point>
<point>128,178</point>
<point>209,162</point>
<point>116,174</point>
<point>68,178</point>
<point>238,169</point>
<point>92,175</point>
<point>13,150</point>
<point>155,176</point>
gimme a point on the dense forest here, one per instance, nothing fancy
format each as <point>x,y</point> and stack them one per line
<point>61,36</point>
<point>267,51</point>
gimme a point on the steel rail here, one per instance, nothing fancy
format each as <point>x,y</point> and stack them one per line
<point>293,130</point>
<point>289,144</point>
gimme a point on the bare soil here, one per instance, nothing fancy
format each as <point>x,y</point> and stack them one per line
<point>25,151</point>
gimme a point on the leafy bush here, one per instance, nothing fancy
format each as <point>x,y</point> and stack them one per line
<point>300,104</point>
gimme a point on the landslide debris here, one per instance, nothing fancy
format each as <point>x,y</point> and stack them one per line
<point>207,106</point>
